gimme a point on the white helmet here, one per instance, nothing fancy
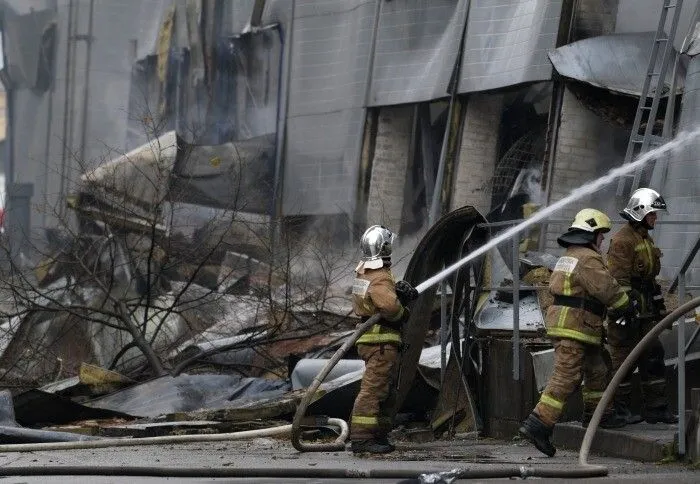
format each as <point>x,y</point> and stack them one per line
<point>642,202</point>
<point>376,242</point>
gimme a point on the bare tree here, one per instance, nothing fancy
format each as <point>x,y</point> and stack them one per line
<point>122,282</point>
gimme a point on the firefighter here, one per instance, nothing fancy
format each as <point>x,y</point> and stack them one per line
<point>374,291</point>
<point>583,291</point>
<point>635,261</point>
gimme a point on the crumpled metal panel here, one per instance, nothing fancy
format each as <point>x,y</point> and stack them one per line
<point>507,44</point>
<point>220,175</point>
<point>28,41</point>
<point>616,62</point>
<point>186,393</point>
<point>439,247</point>
<point>149,19</point>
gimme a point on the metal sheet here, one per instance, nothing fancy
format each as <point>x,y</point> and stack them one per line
<point>415,50</point>
<point>329,62</point>
<point>29,42</point>
<point>437,249</point>
<point>680,187</point>
<point>507,43</point>
<point>498,316</point>
<point>616,62</point>
<point>307,369</point>
<point>186,393</point>
<point>227,175</point>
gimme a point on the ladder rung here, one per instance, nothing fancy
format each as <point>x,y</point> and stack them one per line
<point>673,5</point>
<point>661,39</point>
<point>653,74</point>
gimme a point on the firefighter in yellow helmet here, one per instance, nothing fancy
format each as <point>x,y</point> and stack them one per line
<point>374,291</point>
<point>583,291</point>
<point>635,261</point>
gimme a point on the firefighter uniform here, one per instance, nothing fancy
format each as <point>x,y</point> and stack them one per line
<point>583,289</point>
<point>374,291</point>
<point>635,261</point>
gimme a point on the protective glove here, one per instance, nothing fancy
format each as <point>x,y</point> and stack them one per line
<point>657,301</point>
<point>625,316</point>
<point>405,292</point>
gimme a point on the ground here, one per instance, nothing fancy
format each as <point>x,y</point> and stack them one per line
<point>268,453</point>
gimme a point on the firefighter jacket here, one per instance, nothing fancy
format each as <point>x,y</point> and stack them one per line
<point>635,261</point>
<point>373,291</point>
<point>583,290</point>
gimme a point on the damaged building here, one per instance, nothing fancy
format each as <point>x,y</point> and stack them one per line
<point>193,176</point>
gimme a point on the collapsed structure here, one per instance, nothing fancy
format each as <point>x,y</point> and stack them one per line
<point>266,118</point>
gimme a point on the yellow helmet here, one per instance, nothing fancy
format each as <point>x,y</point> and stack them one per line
<point>591,220</point>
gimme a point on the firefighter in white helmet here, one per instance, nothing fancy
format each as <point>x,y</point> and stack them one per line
<point>635,262</point>
<point>584,291</point>
<point>374,291</point>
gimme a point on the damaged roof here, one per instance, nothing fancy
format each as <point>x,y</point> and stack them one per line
<point>617,62</point>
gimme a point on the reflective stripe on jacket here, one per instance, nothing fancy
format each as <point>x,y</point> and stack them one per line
<point>633,258</point>
<point>373,291</point>
<point>581,272</point>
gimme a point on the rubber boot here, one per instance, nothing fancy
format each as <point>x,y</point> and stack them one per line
<point>385,441</point>
<point>372,446</point>
<point>659,415</point>
<point>610,420</point>
<point>538,434</point>
<point>624,412</point>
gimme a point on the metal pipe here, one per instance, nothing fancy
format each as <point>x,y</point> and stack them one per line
<point>681,369</point>
<point>86,88</point>
<point>443,330</point>
<point>453,88</point>
<point>472,472</point>
<point>686,263</point>
<point>516,309</point>
<point>626,366</point>
<point>281,135</point>
<point>67,118</point>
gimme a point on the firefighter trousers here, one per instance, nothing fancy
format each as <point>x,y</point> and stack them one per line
<point>574,362</point>
<point>651,364</point>
<point>372,413</point>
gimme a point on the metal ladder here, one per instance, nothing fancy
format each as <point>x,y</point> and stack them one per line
<point>640,142</point>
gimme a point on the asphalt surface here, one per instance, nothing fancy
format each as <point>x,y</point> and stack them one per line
<point>278,455</point>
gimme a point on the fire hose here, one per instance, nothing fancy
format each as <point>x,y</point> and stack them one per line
<point>583,470</point>
<point>628,364</point>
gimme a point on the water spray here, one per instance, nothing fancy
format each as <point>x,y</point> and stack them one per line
<point>577,194</point>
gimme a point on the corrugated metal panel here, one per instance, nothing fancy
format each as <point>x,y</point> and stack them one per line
<point>330,52</point>
<point>681,187</point>
<point>415,50</point>
<point>507,43</point>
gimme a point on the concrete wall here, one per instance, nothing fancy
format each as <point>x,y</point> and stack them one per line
<point>390,165</point>
<point>478,151</point>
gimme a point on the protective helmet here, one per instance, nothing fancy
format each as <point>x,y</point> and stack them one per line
<point>591,220</point>
<point>642,202</point>
<point>376,242</point>
<point>587,223</point>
